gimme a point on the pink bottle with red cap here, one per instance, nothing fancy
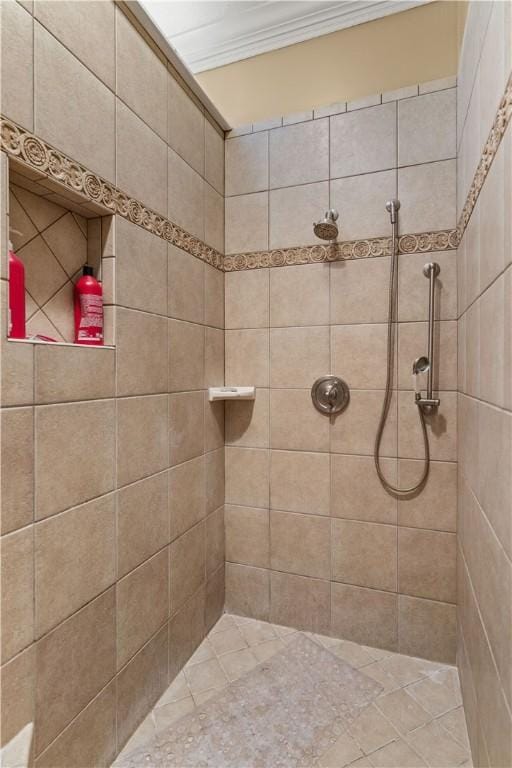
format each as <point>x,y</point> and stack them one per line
<point>88,309</point>
<point>16,296</point>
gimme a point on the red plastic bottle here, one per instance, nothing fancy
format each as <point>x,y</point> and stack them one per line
<point>16,296</point>
<point>88,309</point>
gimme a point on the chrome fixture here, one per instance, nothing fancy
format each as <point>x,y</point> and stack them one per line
<point>422,364</point>
<point>330,395</point>
<point>327,229</point>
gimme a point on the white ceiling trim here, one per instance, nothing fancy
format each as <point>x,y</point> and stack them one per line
<point>265,26</point>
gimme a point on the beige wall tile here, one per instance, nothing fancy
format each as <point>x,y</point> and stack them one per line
<point>247,477</point>
<point>354,430</point>
<point>188,565</point>
<point>494,446</point>
<point>364,554</point>
<point>298,356</point>
<point>247,164</point>
<point>213,218</point>
<point>141,358</point>
<point>17,693</point>
<point>186,426</point>
<point>140,684</point>
<point>74,662</point>
<point>247,299</point>
<point>44,275</point>
<point>214,417</point>
<point>357,294</point>
<point>299,295</point>
<point>426,564</point>
<point>215,484</point>
<point>427,193</point>
<point>17,375</point>
<point>215,598</point>
<point>23,228</point>
<point>364,141</point>
<point>365,616</point>
<point>142,437</point>
<point>300,602</point>
<point>359,355</point>
<point>427,629</point>
<point>17,577</point>
<point>68,243</point>
<point>413,287</point>
<point>435,506</point>
<point>143,173</point>
<point>186,126</point>
<point>426,128</point>
<point>413,342</point>
<point>17,65</point>
<point>300,544</point>
<point>299,154</point>
<point>213,296</point>
<point>248,591</point>
<point>300,482</point>
<point>247,222</point>
<point>186,356</point>
<point>214,157</point>
<point>90,739</point>
<point>17,435</point>
<point>64,373</point>
<point>293,211</point>
<point>186,631</point>
<point>87,31</point>
<point>67,439</point>
<point>141,283</point>
<point>247,422</point>
<point>74,560</point>
<point>215,541</point>
<point>187,495</point>
<point>357,493</point>
<point>61,126</point>
<point>142,605</point>
<point>247,535</point>
<point>310,432</point>
<point>361,201</point>
<point>186,286</point>
<point>492,333</point>
<point>247,358</point>
<point>492,201</point>
<point>142,521</point>
<point>441,428</point>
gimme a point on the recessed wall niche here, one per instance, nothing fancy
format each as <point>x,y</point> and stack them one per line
<point>54,235</point>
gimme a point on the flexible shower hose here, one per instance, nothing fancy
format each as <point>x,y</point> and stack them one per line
<point>392,295</point>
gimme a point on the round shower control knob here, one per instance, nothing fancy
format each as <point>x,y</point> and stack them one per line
<point>330,395</point>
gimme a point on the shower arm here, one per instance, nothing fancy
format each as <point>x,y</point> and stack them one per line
<point>429,403</point>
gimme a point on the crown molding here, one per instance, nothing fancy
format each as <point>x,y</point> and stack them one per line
<point>261,27</point>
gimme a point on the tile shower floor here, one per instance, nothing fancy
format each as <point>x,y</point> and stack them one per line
<point>416,720</point>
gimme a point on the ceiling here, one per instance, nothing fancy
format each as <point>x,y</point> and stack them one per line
<point>208,34</point>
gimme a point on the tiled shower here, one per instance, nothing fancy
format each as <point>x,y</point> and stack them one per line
<point>135,512</point>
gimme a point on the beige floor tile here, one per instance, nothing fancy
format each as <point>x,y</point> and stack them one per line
<point>207,674</point>
<point>436,747</point>
<point>372,731</point>
<point>352,653</point>
<point>224,623</point>
<point>408,669</point>
<point>382,676</point>
<point>397,755</point>
<point>438,693</point>
<point>204,696</point>
<point>283,631</point>
<point>237,663</point>
<point>455,723</point>
<point>403,711</point>
<point>225,642</point>
<point>141,736</point>
<point>204,652</point>
<point>363,762</point>
<point>269,648</point>
<point>256,632</point>
<point>168,714</point>
<point>342,753</point>
<point>177,690</point>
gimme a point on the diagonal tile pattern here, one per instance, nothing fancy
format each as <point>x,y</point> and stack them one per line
<point>417,720</point>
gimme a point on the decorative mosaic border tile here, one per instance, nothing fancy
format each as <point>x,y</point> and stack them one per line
<point>499,126</point>
<point>42,157</point>
<point>424,242</point>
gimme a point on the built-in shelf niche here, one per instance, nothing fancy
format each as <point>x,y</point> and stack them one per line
<point>54,232</point>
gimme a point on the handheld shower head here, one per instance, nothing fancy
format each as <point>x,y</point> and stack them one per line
<point>327,229</point>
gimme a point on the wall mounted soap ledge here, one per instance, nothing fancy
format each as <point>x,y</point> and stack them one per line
<point>231,393</point>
